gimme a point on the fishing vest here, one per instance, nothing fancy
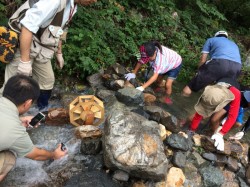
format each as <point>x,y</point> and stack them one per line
<point>45,41</point>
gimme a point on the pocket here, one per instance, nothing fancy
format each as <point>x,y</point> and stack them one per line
<point>45,55</point>
<point>51,36</point>
<point>35,49</point>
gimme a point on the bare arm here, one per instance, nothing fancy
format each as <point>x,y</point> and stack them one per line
<point>151,80</point>
<point>137,67</point>
<point>59,50</point>
<point>203,59</point>
<point>25,43</point>
<point>42,154</point>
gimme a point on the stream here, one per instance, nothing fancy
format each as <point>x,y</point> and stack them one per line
<point>29,173</point>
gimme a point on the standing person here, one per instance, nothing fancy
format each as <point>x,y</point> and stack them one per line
<point>215,102</point>
<point>19,93</point>
<point>42,25</point>
<point>164,61</point>
<point>225,61</point>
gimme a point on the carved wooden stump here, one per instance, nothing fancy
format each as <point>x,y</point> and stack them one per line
<point>86,110</point>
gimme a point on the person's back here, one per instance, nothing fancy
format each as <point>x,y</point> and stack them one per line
<point>222,48</point>
<point>12,134</point>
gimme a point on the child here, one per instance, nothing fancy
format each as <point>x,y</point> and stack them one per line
<point>164,61</point>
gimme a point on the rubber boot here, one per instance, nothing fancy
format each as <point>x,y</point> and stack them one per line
<point>43,100</point>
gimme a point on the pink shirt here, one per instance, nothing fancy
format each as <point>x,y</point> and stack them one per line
<point>166,61</point>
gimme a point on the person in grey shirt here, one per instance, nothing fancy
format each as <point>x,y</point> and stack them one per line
<point>18,95</point>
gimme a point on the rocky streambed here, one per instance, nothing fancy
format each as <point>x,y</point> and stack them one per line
<point>141,143</point>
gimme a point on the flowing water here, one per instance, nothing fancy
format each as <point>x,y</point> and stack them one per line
<point>32,173</point>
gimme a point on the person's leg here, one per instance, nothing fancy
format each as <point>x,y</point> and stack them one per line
<point>158,83</point>
<point>216,119</point>
<point>7,161</point>
<point>44,75</point>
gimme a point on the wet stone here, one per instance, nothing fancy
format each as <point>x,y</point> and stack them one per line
<point>91,146</point>
<point>229,179</point>
<point>209,156</point>
<point>91,178</point>
<point>242,183</point>
<point>208,144</point>
<point>130,96</point>
<point>121,175</point>
<point>179,159</point>
<point>57,116</point>
<point>212,176</point>
<point>196,159</point>
<point>221,160</point>
<point>171,123</point>
<point>232,164</point>
<point>177,141</point>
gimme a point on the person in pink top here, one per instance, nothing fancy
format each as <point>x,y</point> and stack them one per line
<point>164,61</point>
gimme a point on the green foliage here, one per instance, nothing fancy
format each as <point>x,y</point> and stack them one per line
<point>110,31</point>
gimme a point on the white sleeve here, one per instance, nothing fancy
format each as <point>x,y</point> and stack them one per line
<point>39,14</point>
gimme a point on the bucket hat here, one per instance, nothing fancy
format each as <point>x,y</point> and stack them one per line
<point>213,99</point>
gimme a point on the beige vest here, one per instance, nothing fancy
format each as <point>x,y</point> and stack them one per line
<point>45,41</point>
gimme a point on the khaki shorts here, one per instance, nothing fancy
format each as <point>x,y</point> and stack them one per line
<point>7,161</point>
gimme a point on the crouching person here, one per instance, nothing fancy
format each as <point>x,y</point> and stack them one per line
<point>18,95</point>
<point>215,102</point>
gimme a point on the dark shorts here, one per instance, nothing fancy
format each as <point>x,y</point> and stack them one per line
<point>213,71</point>
<point>173,73</point>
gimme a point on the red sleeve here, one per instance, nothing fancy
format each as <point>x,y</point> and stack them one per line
<point>233,111</point>
<point>195,121</point>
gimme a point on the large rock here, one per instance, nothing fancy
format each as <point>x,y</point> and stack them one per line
<point>133,144</point>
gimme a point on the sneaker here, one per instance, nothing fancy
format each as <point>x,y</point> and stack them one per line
<point>168,101</point>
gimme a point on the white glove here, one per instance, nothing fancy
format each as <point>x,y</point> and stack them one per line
<point>24,68</point>
<point>130,76</point>
<point>140,88</point>
<point>237,136</point>
<point>219,142</point>
<point>59,60</point>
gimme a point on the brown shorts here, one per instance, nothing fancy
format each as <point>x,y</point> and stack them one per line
<point>7,161</point>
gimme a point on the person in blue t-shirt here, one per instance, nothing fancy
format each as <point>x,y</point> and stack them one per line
<point>225,61</point>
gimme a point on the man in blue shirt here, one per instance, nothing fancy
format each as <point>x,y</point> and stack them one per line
<point>225,61</point>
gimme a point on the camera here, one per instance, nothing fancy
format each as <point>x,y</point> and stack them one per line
<point>63,147</point>
<point>35,120</point>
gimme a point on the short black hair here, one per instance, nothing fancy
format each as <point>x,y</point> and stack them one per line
<point>21,88</point>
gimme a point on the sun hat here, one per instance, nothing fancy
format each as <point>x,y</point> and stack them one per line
<point>144,57</point>
<point>213,99</point>
<point>247,95</point>
<point>221,33</point>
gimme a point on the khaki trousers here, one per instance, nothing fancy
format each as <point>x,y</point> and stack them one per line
<point>42,73</point>
<point>7,162</point>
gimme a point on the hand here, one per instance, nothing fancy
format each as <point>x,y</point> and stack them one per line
<point>58,153</point>
<point>130,76</point>
<point>59,60</point>
<point>140,88</point>
<point>24,68</point>
<point>237,136</point>
<point>26,120</point>
<point>219,142</point>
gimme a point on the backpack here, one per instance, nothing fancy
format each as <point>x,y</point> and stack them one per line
<point>8,44</point>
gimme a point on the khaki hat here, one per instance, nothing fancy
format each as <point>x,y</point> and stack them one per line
<point>213,99</point>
